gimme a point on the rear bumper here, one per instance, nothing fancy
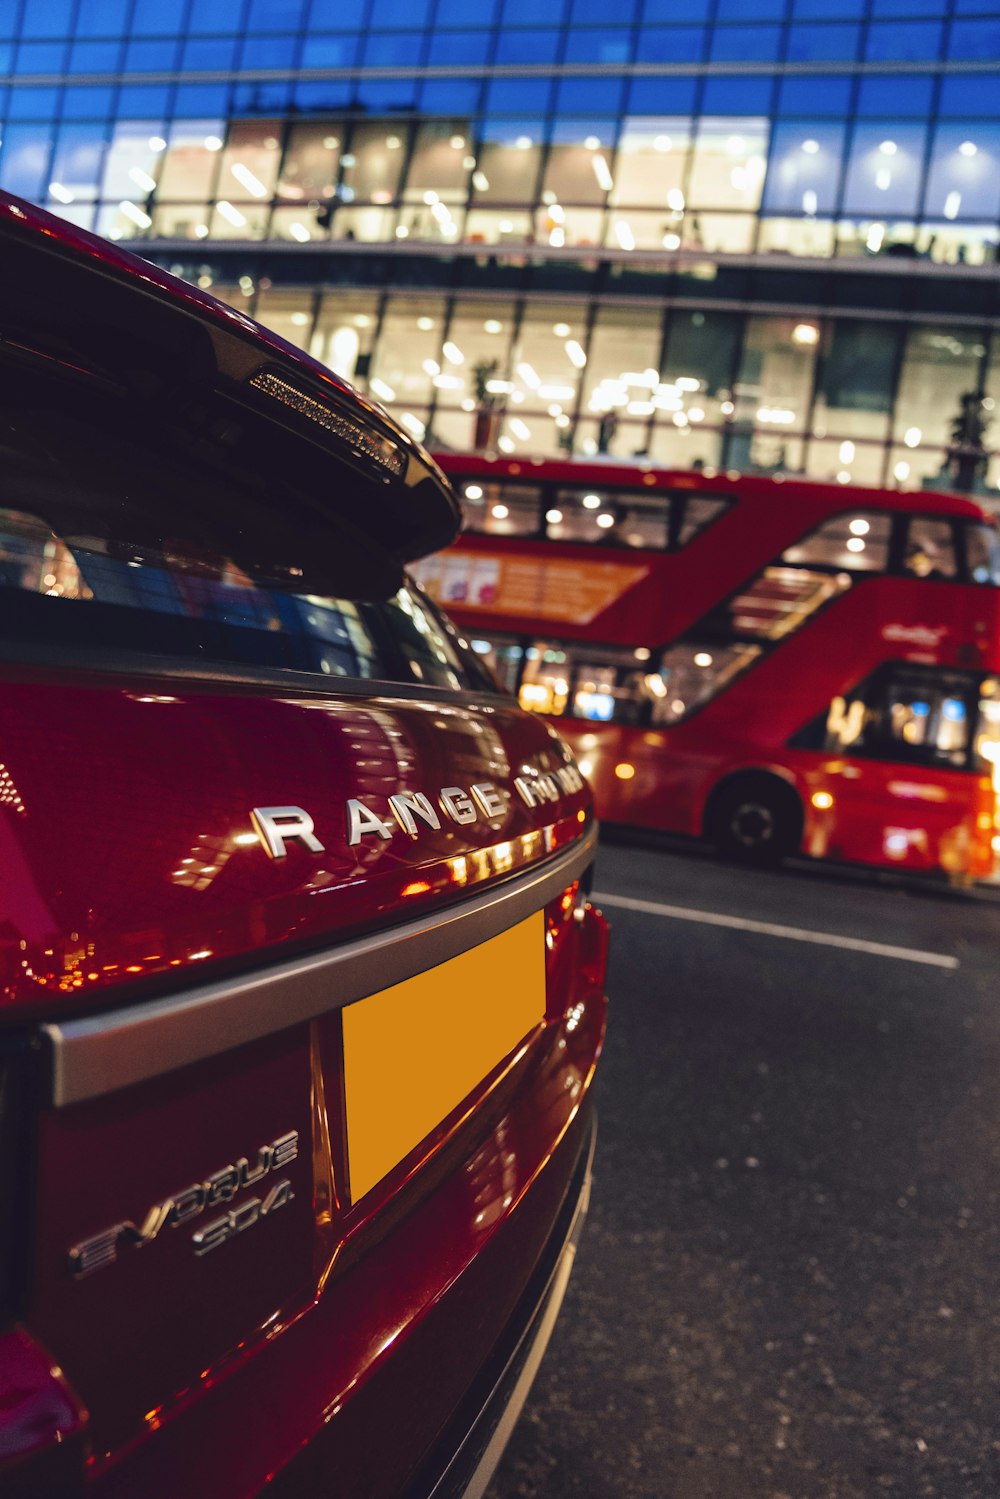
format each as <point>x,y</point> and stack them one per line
<point>468,1455</point>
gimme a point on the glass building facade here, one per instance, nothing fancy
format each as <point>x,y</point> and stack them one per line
<point>759,234</point>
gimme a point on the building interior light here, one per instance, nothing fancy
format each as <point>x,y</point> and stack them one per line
<point>858,526</point>
<point>452,353</point>
<point>810,147</point>
<point>591,502</point>
<point>554,517</point>
<point>605,521</point>
<point>888,148</point>
<point>499,512</point>
<point>602,172</point>
<point>575,353</point>
<point>854,543</point>
<point>805,333</point>
<point>492,326</point>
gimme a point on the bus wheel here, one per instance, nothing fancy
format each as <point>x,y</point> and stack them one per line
<point>757,818</point>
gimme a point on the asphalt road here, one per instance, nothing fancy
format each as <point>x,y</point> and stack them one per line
<point>789,1284</point>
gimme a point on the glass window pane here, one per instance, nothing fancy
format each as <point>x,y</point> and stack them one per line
<point>699,361</point>
<point>249,165</point>
<point>652,156</point>
<point>608,519</point>
<point>508,162</point>
<point>191,159</point>
<point>857,541</point>
<point>76,163</point>
<point>804,171</point>
<point>312,160</point>
<point>728,163</point>
<point>501,508</point>
<point>344,332</point>
<point>441,164</point>
<point>578,169</point>
<point>691,675</point>
<point>475,362</point>
<point>623,368</point>
<point>776,373</point>
<point>884,172</point>
<point>930,548</point>
<point>964,177</point>
<point>856,375</point>
<point>372,167</point>
<point>409,348</point>
<point>939,367</point>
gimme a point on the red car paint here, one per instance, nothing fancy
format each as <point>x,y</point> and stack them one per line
<point>328,1342</point>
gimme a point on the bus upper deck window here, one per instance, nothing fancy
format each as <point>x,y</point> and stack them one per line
<point>699,511</point>
<point>930,548</point>
<point>982,554</point>
<point>857,541</point>
<point>608,518</point>
<point>500,509</point>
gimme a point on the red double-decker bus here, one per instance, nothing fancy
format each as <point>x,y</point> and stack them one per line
<point>775,664</point>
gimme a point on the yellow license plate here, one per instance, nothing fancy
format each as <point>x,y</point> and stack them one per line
<point>413,1052</point>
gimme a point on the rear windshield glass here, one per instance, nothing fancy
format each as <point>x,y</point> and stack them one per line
<point>191,604</point>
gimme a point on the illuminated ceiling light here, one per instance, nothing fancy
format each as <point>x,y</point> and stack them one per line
<point>381,389</point>
<point>431,367</point>
<point>805,333</point>
<point>854,543</point>
<point>425,324</point>
<point>430,199</point>
<point>213,143</point>
<point>473,492</point>
<point>499,387</point>
<point>499,512</point>
<point>297,231</point>
<point>157,143</point>
<point>687,382</point>
<point>624,235</point>
<point>901,471</point>
<point>847,456</point>
<point>246,179</point>
<point>592,142</point>
<point>529,375</point>
<point>662,143</point>
<point>952,204</point>
<point>520,429</point>
<point>883,179</point>
<point>554,517</point>
<point>810,147</point>
<point>602,172</point>
<point>480,182</point>
<point>506,226</point>
<point>139,177</point>
<point>859,526</point>
<point>968,148</point>
<point>671,241</point>
<point>331,142</point>
<point>62,194</point>
<point>591,502</point>
<point>561,330</point>
<point>810,203</point>
<point>736,145</point>
<point>414,425</point>
<point>912,437</point>
<point>453,353</point>
<point>523,143</point>
<point>605,521</point>
<point>727,408</point>
<point>506,444</point>
<point>844,478</point>
<point>492,326</point>
<point>679,419</point>
<point>696,414</point>
<point>457,142</point>
<point>641,653</point>
<point>556,392</point>
<point>349,159</point>
<point>136,214</point>
<point>362,320</point>
<point>575,353</point>
<point>675,200</point>
<point>888,148</point>
<point>876,234</point>
<point>300,319</point>
<point>393,142</point>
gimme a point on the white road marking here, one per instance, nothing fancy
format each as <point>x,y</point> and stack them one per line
<point>771,929</point>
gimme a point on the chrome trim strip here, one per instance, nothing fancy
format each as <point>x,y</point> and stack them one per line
<point>102,1053</point>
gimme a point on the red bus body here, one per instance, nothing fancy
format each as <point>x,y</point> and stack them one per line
<point>875,808</point>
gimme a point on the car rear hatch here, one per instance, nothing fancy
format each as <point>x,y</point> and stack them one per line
<point>294,942</point>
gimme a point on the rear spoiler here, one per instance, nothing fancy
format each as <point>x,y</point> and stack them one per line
<point>98,324</point>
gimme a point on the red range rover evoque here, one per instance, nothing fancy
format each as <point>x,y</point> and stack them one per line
<point>302,994</point>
